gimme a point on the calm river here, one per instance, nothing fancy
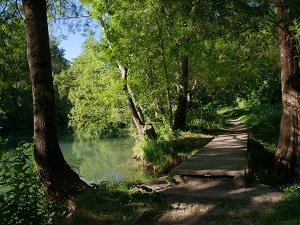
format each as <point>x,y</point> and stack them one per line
<point>95,160</point>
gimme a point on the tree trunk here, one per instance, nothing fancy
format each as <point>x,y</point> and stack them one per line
<point>182,89</point>
<point>144,130</point>
<point>165,69</point>
<point>288,151</point>
<point>190,96</point>
<point>60,182</point>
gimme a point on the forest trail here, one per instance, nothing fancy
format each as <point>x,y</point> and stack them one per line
<point>198,194</point>
<point>225,155</point>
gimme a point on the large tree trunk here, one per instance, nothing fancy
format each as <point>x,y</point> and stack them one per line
<point>182,89</point>
<point>144,130</point>
<point>288,151</point>
<point>60,182</point>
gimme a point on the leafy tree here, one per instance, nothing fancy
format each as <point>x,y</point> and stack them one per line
<point>59,64</point>
<point>167,48</point>
<point>120,29</point>
<point>94,88</point>
<point>15,89</point>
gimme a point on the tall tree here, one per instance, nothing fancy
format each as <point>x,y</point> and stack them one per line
<point>288,151</point>
<point>182,99</point>
<point>144,129</point>
<point>60,182</point>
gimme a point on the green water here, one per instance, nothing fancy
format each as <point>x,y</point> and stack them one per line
<point>102,160</point>
<point>95,160</point>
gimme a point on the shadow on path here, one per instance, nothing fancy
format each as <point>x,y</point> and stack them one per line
<point>205,197</point>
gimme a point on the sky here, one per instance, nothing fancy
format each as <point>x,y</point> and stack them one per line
<point>72,45</point>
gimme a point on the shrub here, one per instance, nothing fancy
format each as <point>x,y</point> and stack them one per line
<point>205,120</point>
<point>155,153</point>
<point>21,196</point>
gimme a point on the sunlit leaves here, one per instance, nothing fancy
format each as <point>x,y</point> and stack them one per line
<point>99,105</point>
<point>229,45</point>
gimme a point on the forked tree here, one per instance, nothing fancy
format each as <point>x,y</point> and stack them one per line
<point>60,182</point>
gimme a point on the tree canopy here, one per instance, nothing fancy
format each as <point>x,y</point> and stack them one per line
<point>229,52</point>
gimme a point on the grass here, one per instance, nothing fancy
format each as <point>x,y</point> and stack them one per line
<point>129,203</point>
<point>117,203</point>
<point>163,155</point>
<point>285,212</point>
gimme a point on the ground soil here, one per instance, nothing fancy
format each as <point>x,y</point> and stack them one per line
<point>211,201</point>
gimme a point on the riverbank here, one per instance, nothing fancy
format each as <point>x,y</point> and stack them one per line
<point>189,200</point>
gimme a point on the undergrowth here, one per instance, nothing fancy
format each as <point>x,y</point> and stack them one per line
<point>205,120</point>
<point>22,200</point>
<point>162,155</point>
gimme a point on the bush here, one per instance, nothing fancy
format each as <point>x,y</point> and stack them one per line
<point>155,153</point>
<point>22,200</point>
<point>205,120</point>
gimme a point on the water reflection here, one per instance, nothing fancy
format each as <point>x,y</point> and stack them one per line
<point>95,160</point>
<point>103,160</point>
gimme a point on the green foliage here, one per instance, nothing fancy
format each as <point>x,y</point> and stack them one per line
<point>292,192</point>
<point>163,155</point>
<point>15,84</point>
<point>296,30</point>
<point>205,120</point>
<point>21,194</point>
<point>157,153</point>
<point>94,88</point>
<point>150,37</point>
<point>15,89</point>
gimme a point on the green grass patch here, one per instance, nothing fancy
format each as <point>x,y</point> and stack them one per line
<point>285,212</point>
<point>163,155</point>
<point>117,203</point>
<point>224,219</point>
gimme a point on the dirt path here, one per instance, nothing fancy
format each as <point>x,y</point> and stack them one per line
<point>211,200</point>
